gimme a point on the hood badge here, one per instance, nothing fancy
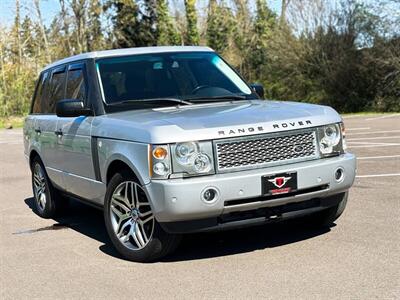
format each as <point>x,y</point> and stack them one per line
<point>259,129</point>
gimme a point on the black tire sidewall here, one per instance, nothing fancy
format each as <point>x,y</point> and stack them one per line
<point>50,207</point>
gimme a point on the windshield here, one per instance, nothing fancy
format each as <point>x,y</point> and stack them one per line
<point>185,76</point>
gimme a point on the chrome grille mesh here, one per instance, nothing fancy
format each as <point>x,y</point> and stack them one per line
<point>265,150</point>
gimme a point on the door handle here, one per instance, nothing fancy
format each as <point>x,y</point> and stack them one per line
<point>58,132</point>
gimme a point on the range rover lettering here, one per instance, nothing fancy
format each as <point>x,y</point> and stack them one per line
<point>171,140</point>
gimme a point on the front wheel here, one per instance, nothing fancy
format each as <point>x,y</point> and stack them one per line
<point>130,222</point>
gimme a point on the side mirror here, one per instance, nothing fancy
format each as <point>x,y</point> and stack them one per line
<point>72,108</point>
<point>259,89</point>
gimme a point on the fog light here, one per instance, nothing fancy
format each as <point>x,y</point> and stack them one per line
<point>339,174</point>
<point>160,168</point>
<point>209,195</point>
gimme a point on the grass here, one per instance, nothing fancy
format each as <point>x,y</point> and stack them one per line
<point>13,122</point>
<point>368,113</point>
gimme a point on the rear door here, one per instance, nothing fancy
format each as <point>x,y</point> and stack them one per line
<point>74,138</point>
<point>43,110</point>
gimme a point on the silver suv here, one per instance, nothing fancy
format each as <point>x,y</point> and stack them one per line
<point>171,140</point>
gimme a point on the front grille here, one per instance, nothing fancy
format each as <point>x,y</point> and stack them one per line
<point>265,150</point>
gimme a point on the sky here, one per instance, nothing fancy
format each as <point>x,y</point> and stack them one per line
<point>50,8</point>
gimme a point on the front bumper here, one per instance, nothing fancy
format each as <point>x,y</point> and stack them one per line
<point>180,199</point>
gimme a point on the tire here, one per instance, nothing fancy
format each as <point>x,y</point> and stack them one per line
<point>130,222</point>
<point>48,201</point>
<point>326,217</point>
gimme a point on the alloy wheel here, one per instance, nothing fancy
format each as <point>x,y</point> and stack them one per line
<point>131,216</point>
<point>39,183</point>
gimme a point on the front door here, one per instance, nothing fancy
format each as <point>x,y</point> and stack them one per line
<point>75,142</point>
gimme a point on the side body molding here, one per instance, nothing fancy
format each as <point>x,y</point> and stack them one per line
<point>133,154</point>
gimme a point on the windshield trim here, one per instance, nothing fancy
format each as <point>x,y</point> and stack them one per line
<point>108,105</point>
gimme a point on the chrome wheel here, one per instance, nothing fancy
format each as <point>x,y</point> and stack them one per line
<point>131,215</point>
<point>39,184</point>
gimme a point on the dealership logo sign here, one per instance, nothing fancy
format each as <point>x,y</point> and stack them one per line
<point>279,181</point>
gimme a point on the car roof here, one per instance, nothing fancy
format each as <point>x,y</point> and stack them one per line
<point>128,51</point>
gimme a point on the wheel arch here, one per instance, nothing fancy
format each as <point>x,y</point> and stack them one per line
<point>32,156</point>
<point>120,162</point>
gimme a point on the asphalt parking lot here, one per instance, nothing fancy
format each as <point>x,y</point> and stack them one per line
<point>71,257</point>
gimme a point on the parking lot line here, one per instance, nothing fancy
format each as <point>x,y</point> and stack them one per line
<point>372,132</point>
<point>374,138</point>
<point>374,146</point>
<point>378,175</point>
<point>382,117</point>
<point>371,143</point>
<point>357,116</point>
<point>360,128</point>
<point>377,157</point>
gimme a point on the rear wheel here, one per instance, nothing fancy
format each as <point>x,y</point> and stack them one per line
<point>48,201</point>
<point>130,222</point>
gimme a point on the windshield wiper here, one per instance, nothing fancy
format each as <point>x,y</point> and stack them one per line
<point>220,97</point>
<point>180,101</point>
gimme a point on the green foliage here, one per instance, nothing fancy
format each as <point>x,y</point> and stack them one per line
<point>192,34</point>
<point>95,36</point>
<point>345,55</point>
<point>167,33</point>
<point>263,27</point>
<point>126,29</point>
<point>219,26</point>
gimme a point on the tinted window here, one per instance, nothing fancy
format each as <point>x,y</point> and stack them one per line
<point>76,88</point>
<point>37,107</point>
<point>180,75</point>
<point>56,91</point>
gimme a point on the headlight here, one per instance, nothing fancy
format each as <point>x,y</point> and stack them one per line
<point>330,140</point>
<point>192,158</point>
<point>184,152</point>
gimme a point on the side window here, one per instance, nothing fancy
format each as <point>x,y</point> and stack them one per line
<point>56,90</point>
<point>76,87</point>
<point>38,99</point>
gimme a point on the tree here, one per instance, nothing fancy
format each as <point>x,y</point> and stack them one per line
<point>219,26</point>
<point>166,31</point>
<point>27,38</point>
<point>148,31</point>
<point>284,5</point>
<point>94,38</point>
<point>79,8</point>
<point>16,48</point>
<point>66,38</point>
<point>345,55</point>
<point>242,34</point>
<point>192,35</point>
<point>125,23</point>
<point>263,28</point>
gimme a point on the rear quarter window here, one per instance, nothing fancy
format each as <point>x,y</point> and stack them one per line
<point>56,91</point>
<point>76,87</point>
<point>37,106</point>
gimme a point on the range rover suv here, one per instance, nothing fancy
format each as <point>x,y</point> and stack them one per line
<point>171,140</point>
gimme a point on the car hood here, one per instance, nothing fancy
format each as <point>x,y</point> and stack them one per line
<point>212,121</point>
